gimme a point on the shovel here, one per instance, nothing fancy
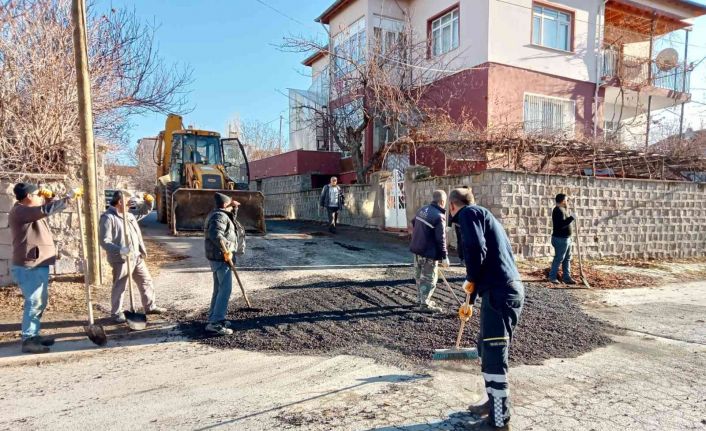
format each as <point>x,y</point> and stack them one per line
<point>135,321</point>
<point>578,249</point>
<point>237,277</point>
<point>94,332</point>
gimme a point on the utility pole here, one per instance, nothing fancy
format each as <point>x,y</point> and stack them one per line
<point>88,155</point>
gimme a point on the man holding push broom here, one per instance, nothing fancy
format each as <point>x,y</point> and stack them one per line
<point>491,274</point>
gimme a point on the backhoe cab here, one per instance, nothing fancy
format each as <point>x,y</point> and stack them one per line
<point>192,166</point>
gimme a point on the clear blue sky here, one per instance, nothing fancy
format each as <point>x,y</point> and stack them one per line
<point>230,45</point>
<point>237,68</point>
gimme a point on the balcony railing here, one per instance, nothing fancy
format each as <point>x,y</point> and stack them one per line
<point>643,72</point>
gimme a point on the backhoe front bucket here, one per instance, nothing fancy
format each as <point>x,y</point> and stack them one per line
<point>190,208</point>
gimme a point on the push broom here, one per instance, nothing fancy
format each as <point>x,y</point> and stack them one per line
<point>458,353</point>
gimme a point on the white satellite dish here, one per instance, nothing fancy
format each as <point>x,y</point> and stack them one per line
<point>667,59</point>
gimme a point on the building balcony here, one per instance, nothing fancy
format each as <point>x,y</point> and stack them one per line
<point>638,73</point>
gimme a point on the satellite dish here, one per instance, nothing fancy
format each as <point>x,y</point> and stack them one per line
<point>667,59</point>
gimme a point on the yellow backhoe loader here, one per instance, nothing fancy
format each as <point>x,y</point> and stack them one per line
<point>192,165</point>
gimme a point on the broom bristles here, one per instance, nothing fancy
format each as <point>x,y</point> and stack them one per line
<point>468,354</point>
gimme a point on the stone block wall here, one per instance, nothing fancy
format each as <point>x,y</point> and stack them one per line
<point>285,184</point>
<point>362,209</point>
<point>616,217</point>
<point>64,227</point>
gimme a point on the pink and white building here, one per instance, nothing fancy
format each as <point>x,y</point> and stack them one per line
<point>581,67</point>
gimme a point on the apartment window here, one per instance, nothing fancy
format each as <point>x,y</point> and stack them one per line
<point>610,129</point>
<point>549,115</point>
<point>349,48</point>
<point>551,28</point>
<point>388,35</point>
<point>444,33</point>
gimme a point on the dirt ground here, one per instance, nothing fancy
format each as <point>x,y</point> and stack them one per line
<point>66,311</point>
<point>377,319</point>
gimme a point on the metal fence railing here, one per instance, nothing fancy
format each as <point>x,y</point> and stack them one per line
<point>641,71</point>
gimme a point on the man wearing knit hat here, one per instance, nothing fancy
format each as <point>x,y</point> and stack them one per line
<point>33,250</point>
<point>220,241</point>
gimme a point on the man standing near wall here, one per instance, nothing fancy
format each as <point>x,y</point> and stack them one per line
<point>111,239</point>
<point>220,242</point>
<point>33,251</point>
<point>491,274</point>
<point>332,199</point>
<point>429,247</point>
<point>561,241</point>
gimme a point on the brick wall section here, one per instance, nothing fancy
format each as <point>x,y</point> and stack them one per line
<point>616,217</point>
<point>64,226</point>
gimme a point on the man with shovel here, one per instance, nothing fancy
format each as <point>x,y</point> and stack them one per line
<point>220,242</point>
<point>111,239</point>
<point>33,250</point>
<point>491,273</point>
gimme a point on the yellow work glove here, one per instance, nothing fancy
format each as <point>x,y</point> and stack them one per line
<point>46,193</point>
<point>75,193</point>
<point>148,197</point>
<point>465,312</point>
<point>469,287</point>
<point>227,256</point>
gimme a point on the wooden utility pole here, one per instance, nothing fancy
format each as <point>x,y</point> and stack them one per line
<point>88,155</point>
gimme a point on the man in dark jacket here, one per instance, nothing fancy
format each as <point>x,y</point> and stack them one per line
<point>332,199</point>
<point>561,241</point>
<point>429,247</point>
<point>33,250</point>
<point>220,243</point>
<point>491,274</point>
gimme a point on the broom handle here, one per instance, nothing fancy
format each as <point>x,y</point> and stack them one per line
<point>127,260</point>
<point>463,323</point>
<point>85,264</point>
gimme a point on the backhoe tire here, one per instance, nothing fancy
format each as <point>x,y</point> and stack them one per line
<point>162,206</point>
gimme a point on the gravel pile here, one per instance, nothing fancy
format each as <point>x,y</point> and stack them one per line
<point>376,319</point>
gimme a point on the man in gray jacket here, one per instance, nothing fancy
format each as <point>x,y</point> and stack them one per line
<point>333,199</point>
<point>111,239</point>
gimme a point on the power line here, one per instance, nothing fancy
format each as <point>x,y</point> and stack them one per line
<point>289,17</point>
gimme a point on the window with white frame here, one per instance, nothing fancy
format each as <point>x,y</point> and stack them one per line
<point>549,115</point>
<point>388,34</point>
<point>349,48</point>
<point>444,33</point>
<point>551,28</point>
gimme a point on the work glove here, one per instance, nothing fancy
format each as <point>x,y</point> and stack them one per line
<point>469,287</point>
<point>45,193</point>
<point>75,193</point>
<point>445,263</point>
<point>228,256</point>
<point>124,251</point>
<point>148,198</point>
<point>465,312</point>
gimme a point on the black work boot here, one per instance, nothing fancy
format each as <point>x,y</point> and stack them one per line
<point>480,410</point>
<point>46,341</point>
<point>34,345</point>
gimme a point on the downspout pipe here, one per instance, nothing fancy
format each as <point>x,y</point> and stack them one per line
<point>600,28</point>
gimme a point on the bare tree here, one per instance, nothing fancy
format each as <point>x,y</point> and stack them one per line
<point>38,101</point>
<point>260,139</point>
<point>392,81</point>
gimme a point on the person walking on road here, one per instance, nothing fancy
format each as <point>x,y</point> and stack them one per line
<point>33,250</point>
<point>220,232</point>
<point>111,239</point>
<point>429,247</point>
<point>332,198</point>
<point>491,274</point>
<point>561,241</point>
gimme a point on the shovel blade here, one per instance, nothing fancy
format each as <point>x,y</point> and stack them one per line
<point>96,334</point>
<point>136,321</point>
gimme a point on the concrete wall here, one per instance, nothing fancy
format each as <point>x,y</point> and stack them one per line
<point>64,227</point>
<point>624,218</point>
<point>363,206</point>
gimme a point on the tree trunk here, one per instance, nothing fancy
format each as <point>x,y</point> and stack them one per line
<point>358,162</point>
